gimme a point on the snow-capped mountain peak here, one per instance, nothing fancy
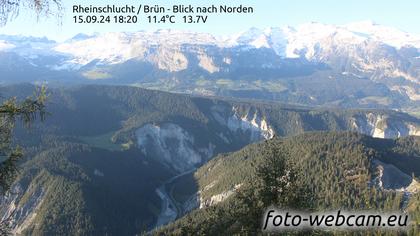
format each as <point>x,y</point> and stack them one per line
<point>306,40</point>
<point>365,49</point>
<point>387,35</point>
<point>5,45</point>
<point>272,37</point>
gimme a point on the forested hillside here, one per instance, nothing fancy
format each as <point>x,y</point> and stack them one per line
<point>74,189</point>
<point>333,171</point>
<point>203,118</point>
<point>96,163</point>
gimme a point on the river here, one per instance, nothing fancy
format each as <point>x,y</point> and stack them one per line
<point>169,209</point>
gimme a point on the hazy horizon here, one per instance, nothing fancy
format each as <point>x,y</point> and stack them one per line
<point>221,35</point>
<point>401,15</point>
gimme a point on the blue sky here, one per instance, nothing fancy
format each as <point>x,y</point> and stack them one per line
<point>402,14</point>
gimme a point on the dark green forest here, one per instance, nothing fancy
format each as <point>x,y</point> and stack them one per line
<point>83,173</point>
<point>332,171</point>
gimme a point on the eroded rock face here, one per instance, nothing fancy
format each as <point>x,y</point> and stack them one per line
<point>180,149</point>
<point>252,124</point>
<point>380,126</point>
<point>20,212</point>
<point>172,145</point>
<point>213,200</point>
<point>390,177</point>
<point>183,149</point>
<point>207,63</point>
<point>256,125</point>
<point>168,59</point>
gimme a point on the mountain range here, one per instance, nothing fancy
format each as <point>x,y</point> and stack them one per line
<point>361,64</point>
<point>161,132</point>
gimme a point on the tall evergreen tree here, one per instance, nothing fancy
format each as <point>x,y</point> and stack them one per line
<point>10,110</point>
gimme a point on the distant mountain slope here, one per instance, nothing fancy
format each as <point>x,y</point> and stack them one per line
<point>173,127</point>
<point>361,64</point>
<point>105,148</point>
<point>342,170</point>
<point>201,127</point>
